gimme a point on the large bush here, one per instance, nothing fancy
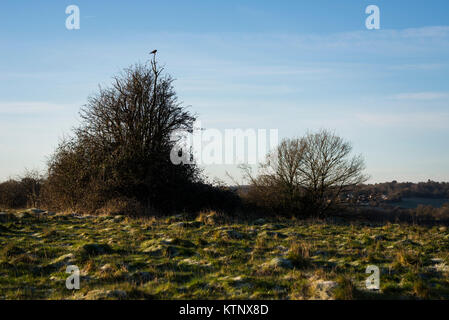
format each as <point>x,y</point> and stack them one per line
<point>122,148</point>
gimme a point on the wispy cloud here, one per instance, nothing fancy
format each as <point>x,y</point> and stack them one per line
<point>204,86</point>
<point>417,120</point>
<point>418,67</point>
<point>32,107</point>
<point>234,47</point>
<point>385,42</point>
<point>421,96</point>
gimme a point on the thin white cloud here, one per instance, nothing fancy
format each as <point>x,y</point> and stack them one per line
<point>385,42</point>
<point>213,86</point>
<point>415,120</point>
<point>232,47</point>
<point>32,107</point>
<point>419,67</point>
<point>421,96</point>
<point>425,32</point>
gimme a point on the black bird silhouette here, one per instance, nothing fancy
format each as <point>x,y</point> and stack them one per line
<point>153,52</point>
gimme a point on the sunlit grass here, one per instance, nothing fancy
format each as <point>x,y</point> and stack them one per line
<point>212,257</point>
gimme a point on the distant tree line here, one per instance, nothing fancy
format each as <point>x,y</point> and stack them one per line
<point>398,190</point>
<point>423,214</point>
<point>22,192</point>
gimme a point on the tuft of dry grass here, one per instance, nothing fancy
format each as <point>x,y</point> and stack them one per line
<point>405,259</point>
<point>299,254</point>
<point>211,217</point>
<point>89,266</point>
<point>346,289</point>
<point>421,289</point>
<point>122,206</point>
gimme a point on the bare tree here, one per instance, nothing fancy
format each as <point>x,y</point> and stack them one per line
<point>308,174</point>
<point>276,185</point>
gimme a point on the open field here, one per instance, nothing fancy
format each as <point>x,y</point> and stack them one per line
<point>213,258</point>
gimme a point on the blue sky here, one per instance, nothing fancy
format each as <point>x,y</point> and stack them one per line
<point>291,65</point>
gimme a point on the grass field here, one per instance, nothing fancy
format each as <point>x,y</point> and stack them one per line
<point>211,258</point>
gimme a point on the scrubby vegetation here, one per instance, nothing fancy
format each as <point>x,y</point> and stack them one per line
<point>397,190</point>
<point>214,257</point>
<point>22,192</point>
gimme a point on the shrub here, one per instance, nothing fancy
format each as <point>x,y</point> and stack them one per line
<point>22,192</point>
<point>211,217</point>
<point>421,289</point>
<point>122,149</point>
<point>346,289</point>
<point>13,194</point>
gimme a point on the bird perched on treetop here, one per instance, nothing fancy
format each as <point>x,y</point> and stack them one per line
<point>153,52</point>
